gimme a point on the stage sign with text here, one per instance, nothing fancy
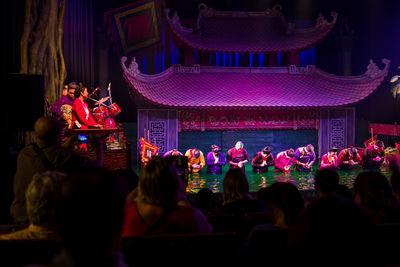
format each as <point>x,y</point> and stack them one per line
<point>209,120</point>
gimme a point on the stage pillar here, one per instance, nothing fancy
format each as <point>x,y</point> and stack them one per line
<point>337,128</point>
<point>160,126</point>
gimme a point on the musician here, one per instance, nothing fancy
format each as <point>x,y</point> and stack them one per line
<point>348,157</point>
<point>63,105</point>
<point>237,156</point>
<point>262,160</point>
<point>195,160</point>
<point>305,158</point>
<point>215,160</point>
<point>284,160</point>
<point>329,160</point>
<point>65,90</point>
<point>374,156</point>
<point>81,116</point>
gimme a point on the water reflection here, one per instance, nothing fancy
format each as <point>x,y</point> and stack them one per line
<point>303,180</point>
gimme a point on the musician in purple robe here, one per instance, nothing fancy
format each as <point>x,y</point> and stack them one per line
<point>215,160</point>
<point>305,158</point>
<point>67,99</point>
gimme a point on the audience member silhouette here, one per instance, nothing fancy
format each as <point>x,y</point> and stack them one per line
<point>284,205</point>
<point>159,205</point>
<point>372,192</point>
<point>41,199</point>
<point>333,232</point>
<point>46,154</point>
<point>127,180</point>
<point>345,192</point>
<point>89,217</point>
<point>206,201</point>
<point>237,200</point>
<point>395,174</point>
<point>326,182</point>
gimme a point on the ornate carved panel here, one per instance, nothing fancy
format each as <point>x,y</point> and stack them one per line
<point>158,134</point>
<point>337,133</point>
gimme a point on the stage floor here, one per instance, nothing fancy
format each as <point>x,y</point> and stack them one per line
<point>303,180</point>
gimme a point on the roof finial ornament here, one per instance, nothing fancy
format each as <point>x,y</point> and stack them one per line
<point>205,10</point>
<point>322,22</point>
<point>202,7</point>
<point>373,70</point>
<point>133,67</point>
<point>274,11</point>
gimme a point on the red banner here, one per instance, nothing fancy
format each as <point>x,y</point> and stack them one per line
<point>386,129</point>
<point>208,120</point>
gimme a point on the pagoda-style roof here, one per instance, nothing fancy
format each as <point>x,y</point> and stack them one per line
<point>208,87</point>
<point>248,32</point>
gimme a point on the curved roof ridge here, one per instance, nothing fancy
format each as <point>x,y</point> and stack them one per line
<point>372,72</point>
<point>252,87</point>
<point>252,32</point>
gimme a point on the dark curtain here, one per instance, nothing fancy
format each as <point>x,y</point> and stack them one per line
<point>78,41</point>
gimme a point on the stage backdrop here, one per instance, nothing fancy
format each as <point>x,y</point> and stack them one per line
<point>254,141</point>
<point>280,129</point>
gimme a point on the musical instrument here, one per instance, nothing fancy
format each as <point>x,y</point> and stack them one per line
<point>66,113</point>
<point>104,114</point>
<point>114,110</point>
<point>109,123</point>
<point>94,91</point>
<point>99,102</point>
<point>100,114</point>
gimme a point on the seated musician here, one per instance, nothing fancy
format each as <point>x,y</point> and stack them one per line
<point>62,107</point>
<point>81,116</point>
<point>195,160</point>
<point>330,159</point>
<point>348,157</point>
<point>262,160</point>
<point>305,158</point>
<point>284,160</point>
<point>374,156</point>
<point>173,152</point>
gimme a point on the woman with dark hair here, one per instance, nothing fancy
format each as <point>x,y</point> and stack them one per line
<point>81,116</point>
<point>215,160</point>
<point>372,192</point>
<point>237,200</point>
<point>334,232</point>
<point>156,206</point>
<point>284,204</point>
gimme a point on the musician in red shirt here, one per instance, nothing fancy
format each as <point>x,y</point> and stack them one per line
<point>237,156</point>
<point>348,157</point>
<point>81,115</point>
<point>374,156</point>
<point>329,160</point>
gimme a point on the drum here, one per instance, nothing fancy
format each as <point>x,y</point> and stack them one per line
<point>109,123</point>
<point>100,114</point>
<point>114,110</point>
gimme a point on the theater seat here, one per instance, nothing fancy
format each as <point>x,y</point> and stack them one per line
<point>173,248</point>
<point>269,243</point>
<point>22,252</point>
<point>390,238</point>
<point>10,228</point>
